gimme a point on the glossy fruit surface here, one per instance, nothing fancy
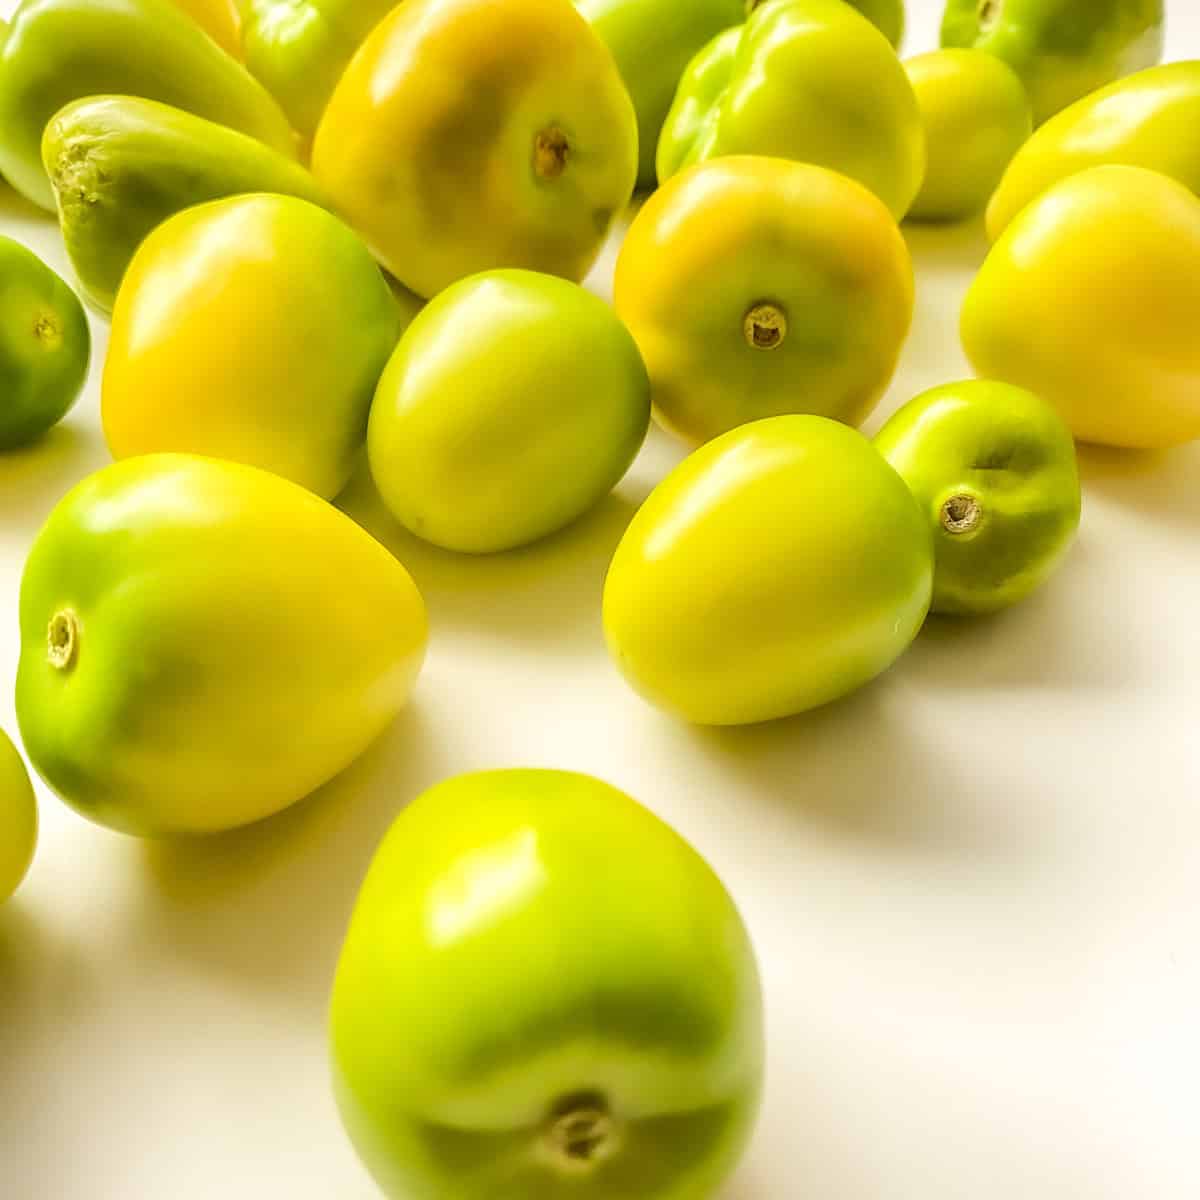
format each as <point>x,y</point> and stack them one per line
<point>219,19</point>
<point>993,469</point>
<point>976,116</point>
<point>758,286</point>
<point>18,818</point>
<point>887,16</point>
<point>468,135</point>
<point>299,48</point>
<point>588,1018</point>
<point>809,80</point>
<point>1148,120</point>
<point>203,644</point>
<point>44,346</point>
<point>777,568</point>
<point>652,42</point>
<point>1090,300</point>
<point>513,403</point>
<point>57,51</point>
<point>121,165</point>
<point>253,328</point>
<point>1062,49</point>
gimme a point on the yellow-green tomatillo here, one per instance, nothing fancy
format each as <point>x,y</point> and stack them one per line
<point>993,469</point>
<point>514,402</point>
<point>809,80</point>
<point>468,135</point>
<point>1090,300</point>
<point>1151,119</point>
<point>1062,49</point>
<point>777,568</point>
<point>887,16</point>
<point>758,286</point>
<point>253,328</point>
<point>45,345</point>
<point>18,818</point>
<point>976,116</point>
<point>544,993</point>
<point>203,644</point>
<point>57,51</point>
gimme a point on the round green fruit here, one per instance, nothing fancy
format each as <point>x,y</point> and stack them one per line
<point>18,818</point>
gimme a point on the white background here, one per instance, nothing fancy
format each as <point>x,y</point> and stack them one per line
<point>974,886</point>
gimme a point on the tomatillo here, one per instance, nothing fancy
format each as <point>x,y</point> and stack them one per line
<point>18,818</point>
<point>993,468</point>
<point>777,568</point>
<point>758,286</point>
<point>45,345</point>
<point>282,323</point>
<point>810,80</point>
<point>976,116</point>
<point>1149,120</point>
<point>203,644</point>
<point>545,992</point>
<point>299,48</point>
<point>513,404</point>
<point>1090,300</point>
<point>468,135</point>
<point>652,42</point>
<point>120,166</point>
<point>886,15</point>
<point>1062,49</point>
<point>60,50</point>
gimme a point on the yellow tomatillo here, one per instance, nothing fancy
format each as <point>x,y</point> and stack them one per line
<point>758,286</point>
<point>472,134</point>
<point>253,328</point>
<point>1090,300</point>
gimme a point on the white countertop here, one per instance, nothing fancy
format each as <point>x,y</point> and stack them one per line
<point>974,886</point>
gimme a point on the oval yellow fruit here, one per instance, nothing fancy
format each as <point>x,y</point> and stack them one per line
<point>253,328</point>
<point>1090,300</point>
<point>203,644</point>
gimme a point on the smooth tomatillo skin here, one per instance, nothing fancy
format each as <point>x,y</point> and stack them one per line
<point>60,50</point>
<point>976,116</point>
<point>220,19</point>
<point>809,80</point>
<point>253,328</point>
<point>298,49</point>
<point>513,404</point>
<point>1062,49</point>
<point>121,165</point>
<point>1090,299</point>
<point>777,568</point>
<point>18,818</point>
<point>993,468</point>
<point>652,42</point>
<point>203,644</point>
<point>759,286</point>
<point>468,135</point>
<point>45,345</point>
<point>536,961</point>
<point>1148,120</point>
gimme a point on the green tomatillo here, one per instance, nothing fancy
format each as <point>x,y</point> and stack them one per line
<point>777,568</point>
<point>652,42</point>
<point>1062,49</point>
<point>810,80</point>
<point>545,994</point>
<point>513,403</point>
<point>57,51</point>
<point>976,116</point>
<point>44,346</point>
<point>993,469</point>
